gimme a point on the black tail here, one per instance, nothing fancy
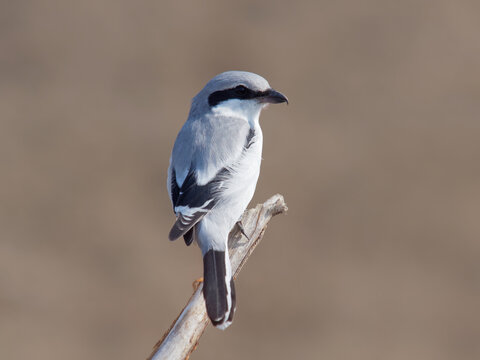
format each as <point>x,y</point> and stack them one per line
<point>218,291</point>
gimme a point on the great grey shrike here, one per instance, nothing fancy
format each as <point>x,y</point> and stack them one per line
<point>212,175</point>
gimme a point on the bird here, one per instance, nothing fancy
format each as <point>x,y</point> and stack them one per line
<point>213,172</point>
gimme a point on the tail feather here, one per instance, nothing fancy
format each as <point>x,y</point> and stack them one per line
<point>218,288</point>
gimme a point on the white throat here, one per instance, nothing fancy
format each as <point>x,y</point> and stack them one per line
<point>249,110</point>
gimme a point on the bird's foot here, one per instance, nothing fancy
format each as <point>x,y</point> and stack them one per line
<point>242,229</point>
<point>197,283</point>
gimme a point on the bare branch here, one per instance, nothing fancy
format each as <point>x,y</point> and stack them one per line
<point>182,337</point>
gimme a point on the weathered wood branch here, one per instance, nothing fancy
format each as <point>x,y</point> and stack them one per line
<point>182,337</point>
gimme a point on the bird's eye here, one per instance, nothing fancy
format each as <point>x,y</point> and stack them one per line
<point>240,89</point>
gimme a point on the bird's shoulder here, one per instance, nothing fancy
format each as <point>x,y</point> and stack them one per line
<point>208,143</point>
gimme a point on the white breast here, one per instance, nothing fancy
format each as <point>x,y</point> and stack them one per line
<point>238,189</point>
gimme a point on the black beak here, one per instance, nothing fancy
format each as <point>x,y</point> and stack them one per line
<point>273,97</point>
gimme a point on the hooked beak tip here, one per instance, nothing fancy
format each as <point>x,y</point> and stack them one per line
<point>274,97</point>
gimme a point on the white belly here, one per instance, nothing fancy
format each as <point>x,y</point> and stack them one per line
<point>236,193</point>
<point>240,188</point>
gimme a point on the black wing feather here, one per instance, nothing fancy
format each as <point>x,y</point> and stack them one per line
<point>189,236</point>
<point>174,189</point>
<point>199,198</point>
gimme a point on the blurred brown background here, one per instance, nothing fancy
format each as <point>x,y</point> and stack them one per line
<point>377,155</point>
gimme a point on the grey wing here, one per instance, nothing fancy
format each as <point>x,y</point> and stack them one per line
<point>202,156</point>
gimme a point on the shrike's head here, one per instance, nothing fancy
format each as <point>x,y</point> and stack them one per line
<point>240,92</point>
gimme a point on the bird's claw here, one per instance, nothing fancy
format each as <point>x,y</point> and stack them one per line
<point>196,283</point>
<point>242,229</point>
